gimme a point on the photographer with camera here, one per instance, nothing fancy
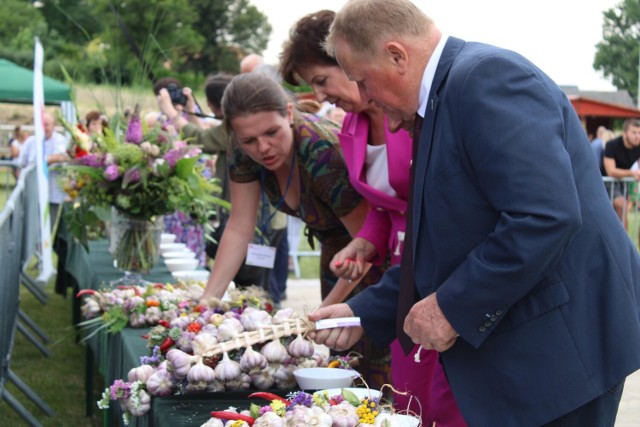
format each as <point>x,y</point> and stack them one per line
<point>184,103</point>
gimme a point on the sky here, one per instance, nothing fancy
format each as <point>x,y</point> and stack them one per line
<point>559,36</point>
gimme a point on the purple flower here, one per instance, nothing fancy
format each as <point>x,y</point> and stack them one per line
<point>264,409</point>
<point>131,175</point>
<point>120,390</point>
<point>111,173</point>
<point>302,398</point>
<point>90,160</point>
<point>173,156</point>
<point>154,359</point>
<point>134,129</point>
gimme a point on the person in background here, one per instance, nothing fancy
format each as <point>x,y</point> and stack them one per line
<point>378,162</point>
<point>55,154</point>
<point>516,269</point>
<point>298,163</point>
<point>15,146</point>
<point>619,156</point>
<point>96,122</point>
<point>335,114</point>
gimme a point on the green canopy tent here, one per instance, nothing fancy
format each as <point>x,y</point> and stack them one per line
<point>16,86</point>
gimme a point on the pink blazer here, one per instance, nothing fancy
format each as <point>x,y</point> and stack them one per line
<point>386,222</point>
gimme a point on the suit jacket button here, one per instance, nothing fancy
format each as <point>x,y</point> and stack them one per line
<point>487,323</point>
<point>493,318</point>
<point>380,209</point>
<point>482,329</point>
<point>498,312</point>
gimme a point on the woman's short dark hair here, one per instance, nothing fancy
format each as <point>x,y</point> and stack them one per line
<point>305,46</point>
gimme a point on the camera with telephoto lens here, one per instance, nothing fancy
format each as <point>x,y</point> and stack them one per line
<point>175,92</point>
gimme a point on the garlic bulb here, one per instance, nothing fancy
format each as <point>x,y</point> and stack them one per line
<point>160,383</point>
<point>270,419</point>
<point>263,379</point>
<point>216,319</point>
<point>179,362</point>
<point>300,347</point>
<point>252,359</point>
<point>213,422</point>
<point>215,386</point>
<point>243,382</point>
<point>252,319</point>
<point>141,406</point>
<point>284,377</point>
<point>343,415</point>
<point>307,362</point>
<point>199,377</point>
<point>281,315</point>
<point>229,328</point>
<point>141,373</point>
<point>202,342</point>
<point>274,351</point>
<point>227,369</point>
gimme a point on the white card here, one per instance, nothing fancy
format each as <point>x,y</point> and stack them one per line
<point>261,255</point>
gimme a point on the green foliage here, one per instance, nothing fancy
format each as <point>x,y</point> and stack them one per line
<point>618,52</point>
<point>133,42</point>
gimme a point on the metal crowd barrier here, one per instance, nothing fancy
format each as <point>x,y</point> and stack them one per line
<point>629,188</point>
<point>14,245</point>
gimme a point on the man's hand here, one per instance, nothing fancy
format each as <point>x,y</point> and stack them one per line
<point>336,338</point>
<point>427,326</point>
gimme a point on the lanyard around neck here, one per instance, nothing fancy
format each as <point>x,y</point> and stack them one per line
<point>264,225</point>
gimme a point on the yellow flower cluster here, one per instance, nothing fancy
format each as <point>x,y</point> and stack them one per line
<point>278,407</point>
<point>367,412</point>
<point>238,423</point>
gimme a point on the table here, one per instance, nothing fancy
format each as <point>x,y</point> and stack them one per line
<point>116,354</point>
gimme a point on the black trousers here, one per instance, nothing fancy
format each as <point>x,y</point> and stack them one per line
<point>600,412</point>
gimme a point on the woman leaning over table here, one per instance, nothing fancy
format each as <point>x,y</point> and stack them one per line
<point>379,163</point>
<point>298,163</point>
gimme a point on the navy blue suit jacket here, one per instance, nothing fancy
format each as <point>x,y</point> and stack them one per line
<point>515,232</point>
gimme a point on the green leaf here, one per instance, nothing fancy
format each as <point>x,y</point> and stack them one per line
<point>350,397</point>
<point>184,167</point>
<point>254,410</point>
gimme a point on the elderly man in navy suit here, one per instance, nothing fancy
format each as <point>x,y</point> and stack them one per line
<point>525,280</point>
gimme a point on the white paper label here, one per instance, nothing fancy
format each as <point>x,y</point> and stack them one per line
<point>261,255</point>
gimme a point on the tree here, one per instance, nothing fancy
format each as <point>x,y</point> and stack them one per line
<point>618,52</point>
<point>20,22</point>
<point>231,29</point>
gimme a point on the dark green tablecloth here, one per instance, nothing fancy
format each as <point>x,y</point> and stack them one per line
<point>119,353</point>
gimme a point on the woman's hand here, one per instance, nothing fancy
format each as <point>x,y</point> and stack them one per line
<point>350,262</point>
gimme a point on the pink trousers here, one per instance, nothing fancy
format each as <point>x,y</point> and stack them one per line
<point>427,388</point>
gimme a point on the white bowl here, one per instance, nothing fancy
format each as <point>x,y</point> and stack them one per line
<point>181,264</point>
<point>179,254</point>
<point>323,378</point>
<point>171,247</point>
<point>167,238</point>
<point>360,392</point>
<point>406,421</point>
<point>198,275</point>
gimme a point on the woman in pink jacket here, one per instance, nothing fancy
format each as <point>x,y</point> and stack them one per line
<point>378,163</point>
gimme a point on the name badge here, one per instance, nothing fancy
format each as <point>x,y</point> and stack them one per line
<point>261,255</point>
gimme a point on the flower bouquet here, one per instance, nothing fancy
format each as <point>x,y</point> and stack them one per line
<point>148,173</point>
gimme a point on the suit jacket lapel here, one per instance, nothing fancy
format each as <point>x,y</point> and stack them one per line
<point>449,53</point>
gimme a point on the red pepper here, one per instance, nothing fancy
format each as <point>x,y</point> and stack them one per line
<point>166,344</point>
<point>158,285</point>
<point>86,292</point>
<point>269,396</point>
<point>228,415</point>
<point>194,327</point>
<point>164,323</point>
